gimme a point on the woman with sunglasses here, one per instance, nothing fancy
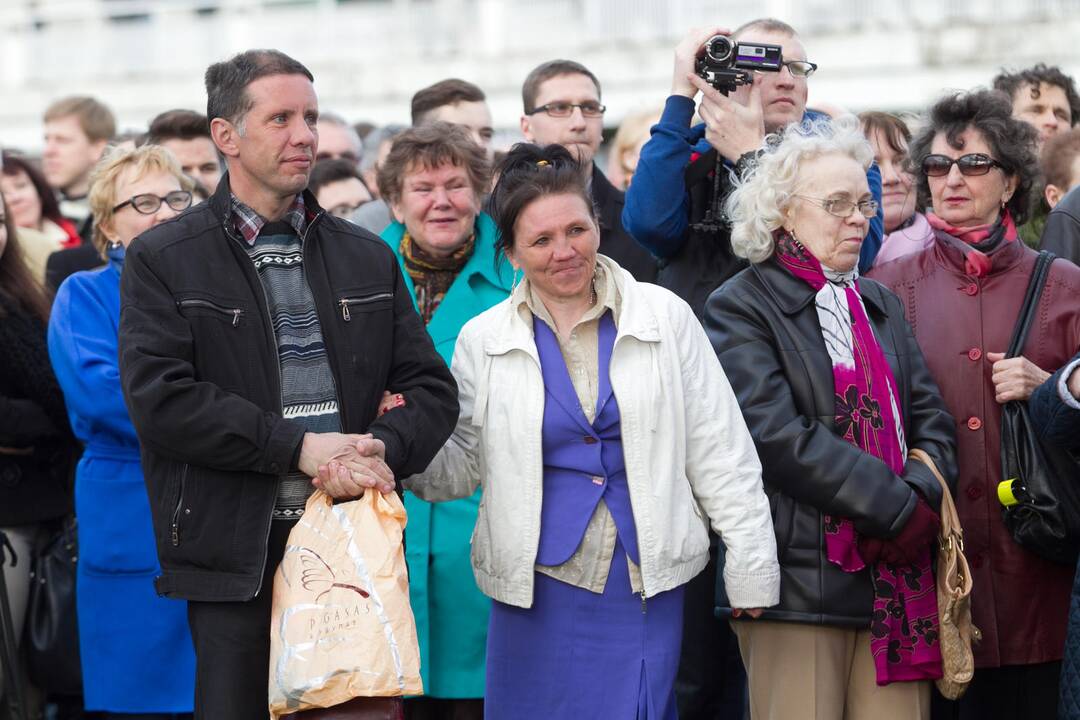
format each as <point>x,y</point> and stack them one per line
<point>137,656</point>
<point>835,392</point>
<point>975,166</point>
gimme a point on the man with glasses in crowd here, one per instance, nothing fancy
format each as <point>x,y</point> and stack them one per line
<point>668,211</point>
<point>562,106</point>
<point>664,211</point>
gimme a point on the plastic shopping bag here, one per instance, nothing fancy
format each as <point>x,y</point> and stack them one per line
<point>342,626</point>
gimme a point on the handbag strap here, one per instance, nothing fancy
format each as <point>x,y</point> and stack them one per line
<point>1031,302</point>
<point>950,520</point>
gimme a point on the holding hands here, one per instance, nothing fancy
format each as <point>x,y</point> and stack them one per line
<point>343,466</point>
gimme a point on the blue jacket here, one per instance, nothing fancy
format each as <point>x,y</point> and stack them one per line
<point>451,612</point>
<point>657,203</point>
<point>137,655</point>
<point>1058,422</point>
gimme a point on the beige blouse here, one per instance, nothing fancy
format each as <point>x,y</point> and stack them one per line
<point>588,567</point>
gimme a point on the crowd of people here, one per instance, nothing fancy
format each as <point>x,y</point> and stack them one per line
<point>668,433</point>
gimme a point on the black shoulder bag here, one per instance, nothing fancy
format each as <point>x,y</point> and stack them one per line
<point>51,632</point>
<point>1046,517</point>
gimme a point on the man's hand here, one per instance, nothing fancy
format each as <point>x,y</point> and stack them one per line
<point>355,468</point>
<point>1015,378</point>
<point>1073,383</point>
<point>686,54</point>
<point>731,127</point>
<point>319,448</point>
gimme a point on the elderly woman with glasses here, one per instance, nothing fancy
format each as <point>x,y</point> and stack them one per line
<point>975,166</point>
<point>835,393</point>
<point>137,655</point>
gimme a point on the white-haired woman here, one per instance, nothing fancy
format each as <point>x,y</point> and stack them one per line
<point>835,392</point>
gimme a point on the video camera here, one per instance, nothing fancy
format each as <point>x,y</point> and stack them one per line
<point>726,64</point>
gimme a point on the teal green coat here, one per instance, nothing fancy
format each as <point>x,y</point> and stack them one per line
<point>451,613</point>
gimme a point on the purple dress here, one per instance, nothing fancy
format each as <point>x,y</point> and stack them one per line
<point>576,653</point>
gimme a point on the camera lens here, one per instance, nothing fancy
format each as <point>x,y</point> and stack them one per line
<point>718,49</point>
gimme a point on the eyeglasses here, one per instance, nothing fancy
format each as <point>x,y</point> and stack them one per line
<point>843,208</point>
<point>148,203</point>
<point>565,109</point>
<point>800,68</point>
<point>970,164</point>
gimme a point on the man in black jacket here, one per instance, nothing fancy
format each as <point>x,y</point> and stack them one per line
<point>562,106</point>
<point>256,330</point>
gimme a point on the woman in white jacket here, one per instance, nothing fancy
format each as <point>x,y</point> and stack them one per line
<point>605,436</point>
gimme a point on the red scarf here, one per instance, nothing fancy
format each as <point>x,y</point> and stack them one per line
<point>978,240</point>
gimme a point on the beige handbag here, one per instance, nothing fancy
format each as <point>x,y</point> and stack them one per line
<point>953,594</point>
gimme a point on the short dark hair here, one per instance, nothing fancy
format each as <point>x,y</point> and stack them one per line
<point>1010,82</point>
<point>95,118</point>
<point>766,24</point>
<point>892,128</point>
<point>227,81</point>
<point>544,72</point>
<point>177,125</point>
<point>528,173</point>
<point>15,164</point>
<point>445,92</point>
<point>1058,156</point>
<point>430,146</point>
<point>1011,141</point>
<point>332,170</point>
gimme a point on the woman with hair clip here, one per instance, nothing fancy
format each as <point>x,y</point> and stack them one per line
<point>135,647</point>
<point>603,433</point>
<point>36,445</point>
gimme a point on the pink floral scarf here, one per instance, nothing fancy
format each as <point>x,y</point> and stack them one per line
<point>904,624</point>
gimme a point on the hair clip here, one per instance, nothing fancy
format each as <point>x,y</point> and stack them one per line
<point>542,163</point>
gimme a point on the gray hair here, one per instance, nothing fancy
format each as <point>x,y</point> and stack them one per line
<point>374,141</point>
<point>757,205</point>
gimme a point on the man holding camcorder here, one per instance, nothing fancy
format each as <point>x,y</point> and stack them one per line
<point>674,207</point>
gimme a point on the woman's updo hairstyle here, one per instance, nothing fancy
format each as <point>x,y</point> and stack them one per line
<point>527,173</point>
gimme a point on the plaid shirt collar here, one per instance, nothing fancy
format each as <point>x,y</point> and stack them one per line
<point>248,222</point>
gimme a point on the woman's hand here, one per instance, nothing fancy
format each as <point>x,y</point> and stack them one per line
<point>752,612</point>
<point>1015,378</point>
<point>389,402</point>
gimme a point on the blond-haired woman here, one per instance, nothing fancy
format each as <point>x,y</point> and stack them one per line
<point>137,656</point>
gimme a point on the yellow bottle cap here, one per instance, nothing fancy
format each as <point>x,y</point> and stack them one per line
<point>1005,493</point>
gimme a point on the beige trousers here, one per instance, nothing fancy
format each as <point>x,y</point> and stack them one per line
<point>798,671</point>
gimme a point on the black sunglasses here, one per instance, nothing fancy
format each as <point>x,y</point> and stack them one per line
<point>970,164</point>
<point>148,203</point>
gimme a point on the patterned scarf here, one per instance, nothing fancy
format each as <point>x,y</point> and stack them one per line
<point>976,243</point>
<point>432,276</point>
<point>904,626</point>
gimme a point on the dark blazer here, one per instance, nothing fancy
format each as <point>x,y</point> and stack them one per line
<point>35,486</point>
<point>69,261</point>
<point>764,327</point>
<point>1061,234</point>
<point>200,371</point>
<point>615,242</point>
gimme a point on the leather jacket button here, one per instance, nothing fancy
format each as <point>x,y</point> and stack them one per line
<point>974,354</point>
<point>974,492</point>
<point>589,440</point>
<point>972,289</point>
<point>10,475</point>
<point>974,423</point>
<point>275,468</point>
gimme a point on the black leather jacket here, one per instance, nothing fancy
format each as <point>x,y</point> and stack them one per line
<point>201,376</point>
<point>764,328</point>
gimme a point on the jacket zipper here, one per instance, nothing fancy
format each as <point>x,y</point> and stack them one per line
<point>198,302</point>
<point>179,506</point>
<point>346,303</point>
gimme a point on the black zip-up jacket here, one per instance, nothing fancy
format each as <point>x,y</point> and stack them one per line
<point>200,372</point>
<point>764,328</point>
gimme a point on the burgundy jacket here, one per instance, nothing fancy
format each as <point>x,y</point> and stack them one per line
<point>1019,601</point>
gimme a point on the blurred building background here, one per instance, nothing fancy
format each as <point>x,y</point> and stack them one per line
<point>369,56</point>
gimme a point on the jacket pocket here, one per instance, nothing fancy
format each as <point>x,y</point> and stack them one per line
<point>368,302</point>
<point>178,508</point>
<point>202,306</point>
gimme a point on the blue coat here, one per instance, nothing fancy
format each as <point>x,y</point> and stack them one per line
<point>451,612</point>
<point>137,655</point>
<point>1059,423</point>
